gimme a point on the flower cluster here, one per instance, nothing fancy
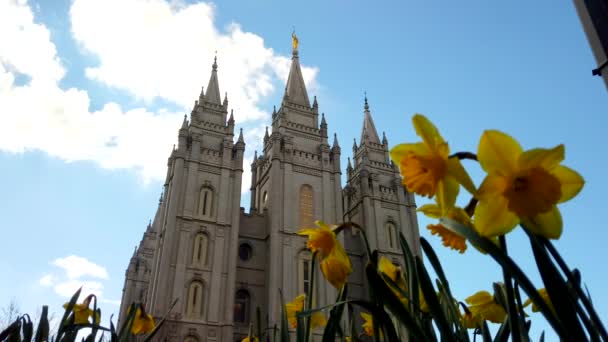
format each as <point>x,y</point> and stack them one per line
<point>519,186</point>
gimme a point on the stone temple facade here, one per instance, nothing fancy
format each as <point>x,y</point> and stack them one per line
<point>220,262</point>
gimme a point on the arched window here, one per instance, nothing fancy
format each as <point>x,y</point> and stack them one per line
<point>242,305</point>
<point>304,268</point>
<point>199,253</point>
<point>391,235</point>
<point>194,308</point>
<point>205,202</point>
<point>306,206</point>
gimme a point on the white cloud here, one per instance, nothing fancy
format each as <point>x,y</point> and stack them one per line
<point>75,272</point>
<point>111,301</point>
<point>152,49</point>
<point>159,49</point>
<point>76,267</point>
<point>47,280</point>
<point>68,288</point>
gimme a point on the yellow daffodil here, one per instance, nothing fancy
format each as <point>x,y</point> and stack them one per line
<point>293,307</point>
<point>394,273</point>
<point>426,168</point>
<point>348,338</point>
<point>522,186</point>
<point>424,307</point>
<point>482,305</point>
<point>334,262</point>
<point>252,339</point>
<point>317,320</point>
<point>82,312</point>
<point>545,296</point>
<point>368,325</point>
<point>449,238</point>
<point>143,323</point>
<point>470,321</point>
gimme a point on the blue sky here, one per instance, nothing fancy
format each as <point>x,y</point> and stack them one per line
<point>92,94</point>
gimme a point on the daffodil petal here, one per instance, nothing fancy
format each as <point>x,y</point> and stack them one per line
<point>456,170</point>
<point>493,218</point>
<point>498,152</point>
<point>402,150</point>
<point>447,191</point>
<point>547,224</point>
<point>492,186</point>
<point>317,319</point>
<point>478,298</point>
<point>571,182</point>
<point>427,131</point>
<point>542,157</point>
<point>431,210</point>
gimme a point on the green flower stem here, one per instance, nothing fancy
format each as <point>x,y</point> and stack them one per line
<point>358,227</point>
<point>513,314</point>
<point>583,297</point>
<point>464,155</point>
<point>309,296</point>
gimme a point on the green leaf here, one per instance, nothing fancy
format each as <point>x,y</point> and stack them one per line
<point>125,329</point>
<point>388,298</point>
<point>557,290</point>
<point>68,311</point>
<point>453,310</point>
<point>160,324</point>
<point>28,328</point>
<point>14,328</point>
<point>335,315</point>
<point>42,332</point>
<point>258,317</point>
<point>433,302</point>
<point>412,280</point>
<point>509,265</point>
<point>284,324</point>
<point>503,332</point>
<point>485,332</point>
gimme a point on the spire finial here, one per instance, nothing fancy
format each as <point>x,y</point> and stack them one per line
<point>366,106</point>
<point>215,61</point>
<point>335,144</point>
<point>294,40</point>
<point>185,122</point>
<point>241,139</point>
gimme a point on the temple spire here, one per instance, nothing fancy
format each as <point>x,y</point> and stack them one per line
<point>295,91</point>
<point>368,133</point>
<point>213,89</point>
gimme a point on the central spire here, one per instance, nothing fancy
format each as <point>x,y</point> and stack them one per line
<point>213,89</point>
<point>295,90</point>
<point>368,133</point>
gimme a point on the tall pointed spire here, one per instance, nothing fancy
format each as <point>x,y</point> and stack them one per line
<point>295,91</point>
<point>213,89</point>
<point>368,133</point>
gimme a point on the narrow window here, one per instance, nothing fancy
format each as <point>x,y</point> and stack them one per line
<point>205,202</point>
<point>242,304</point>
<point>304,270</point>
<point>391,234</point>
<point>306,206</point>
<point>199,255</point>
<point>194,307</point>
<point>306,275</point>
